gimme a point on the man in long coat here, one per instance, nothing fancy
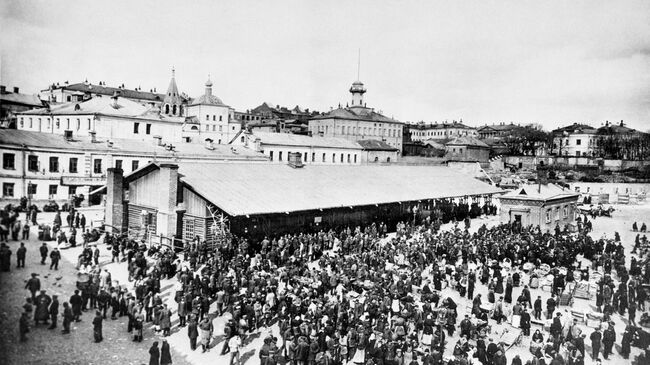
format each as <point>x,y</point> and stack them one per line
<point>54,311</point>
<point>33,285</point>
<point>42,314</point>
<point>97,327</point>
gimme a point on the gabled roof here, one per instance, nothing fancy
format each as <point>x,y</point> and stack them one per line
<point>543,192</point>
<point>467,141</point>
<point>434,144</point>
<point>375,145</point>
<point>499,127</point>
<point>23,99</point>
<point>110,91</point>
<point>125,108</point>
<point>249,189</point>
<point>422,126</point>
<point>616,129</point>
<point>357,113</point>
<point>290,139</point>
<point>576,128</point>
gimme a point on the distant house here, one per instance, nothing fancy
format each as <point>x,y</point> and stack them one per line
<point>467,149</point>
<point>15,102</point>
<point>378,151</point>
<point>440,131</point>
<point>546,206</point>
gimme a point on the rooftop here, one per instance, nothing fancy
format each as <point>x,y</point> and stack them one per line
<point>86,87</point>
<point>540,192</point>
<point>24,99</point>
<point>375,145</point>
<point>357,113</point>
<point>467,141</point>
<point>263,187</point>
<point>445,125</point>
<point>106,106</point>
<point>39,140</point>
<point>290,139</point>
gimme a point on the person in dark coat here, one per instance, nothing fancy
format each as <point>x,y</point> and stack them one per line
<point>97,327</point>
<point>33,285</point>
<point>42,314</point>
<point>23,326</point>
<point>75,303</point>
<point>54,311</point>
<point>43,249</point>
<point>193,332</point>
<point>67,318</point>
<point>609,337</point>
<point>556,327</point>
<point>524,322</point>
<point>626,342</point>
<point>20,255</point>
<point>154,354</point>
<point>55,256</point>
<point>595,338</point>
<point>165,354</point>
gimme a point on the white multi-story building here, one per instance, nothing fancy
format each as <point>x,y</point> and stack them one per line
<point>443,131</point>
<point>358,122</point>
<point>210,118</point>
<point>578,140</point>
<point>43,166</point>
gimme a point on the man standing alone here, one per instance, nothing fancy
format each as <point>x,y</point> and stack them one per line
<point>43,250</point>
<point>55,256</point>
<point>20,255</point>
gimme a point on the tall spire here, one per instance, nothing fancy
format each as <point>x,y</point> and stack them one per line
<point>359,65</point>
<point>172,102</point>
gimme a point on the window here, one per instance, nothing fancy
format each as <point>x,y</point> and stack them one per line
<point>578,142</point>
<point>221,118</point>
<point>220,130</point>
<point>548,216</point>
<point>349,160</point>
<point>148,128</point>
<point>323,157</point>
<point>460,150</point>
<point>557,213</point>
<point>97,167</point>
<point>54,164</point>
<point>355,158</point>
<point>89,124</point>
<point>305,157</point>
<point>333,157</point>
<point>31,189</point>
<point>313,157</point>
<point>58,123</point>
<point>243,139</point>
<point>48,123</point>
<point>31,125</point>
<point>207,127</point>
<point>32,163</point>
<point>280,156</point>
<point>118,164</point>
<point>565,211</point>
<point>341,158</point>
<point>8,190</point>
<point>136,127</point>
<point>52,190</point>
<point>207,117</point>
<point>67,123</point>
<point>8,161</point>
<point>387,159</point>
<point>188,229</point>
<point>72,190</point>
<point>376,159</point>
<point>68,98</point>
<point>134,165</point>
<point>78,123</point>
<point>271,155</point>
<point>214,117</point>
<point>72,165</point>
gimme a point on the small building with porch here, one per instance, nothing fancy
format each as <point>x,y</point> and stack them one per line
<point>543,205</point>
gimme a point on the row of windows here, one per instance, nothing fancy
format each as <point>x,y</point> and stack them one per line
<point>57,123</point>
<point>440,133</point>
<point>9,163</point>
<point>351,158</point>
<point>555,213</point>
<point>9,190</point>
<point>214,118</point>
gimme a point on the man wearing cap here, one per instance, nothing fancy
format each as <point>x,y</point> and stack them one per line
<point>20,255</point>
<point>265,351</point>
<point>97,327</point>
<point>556,327</point>
<point>54,311</point>
<point>33,285</point>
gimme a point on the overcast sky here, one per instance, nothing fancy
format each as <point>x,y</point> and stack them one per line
<point>549,62</point>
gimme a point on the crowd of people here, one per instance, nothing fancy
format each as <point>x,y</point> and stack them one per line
<point>421,295</point>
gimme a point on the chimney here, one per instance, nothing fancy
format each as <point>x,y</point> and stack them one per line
<point>622,122</point>
<point>114,210</point>
<point>3,89</point>
<point>93,136</point>
<point>257,144</point>
<point>114,98</point>
<point>157,140</point>
<point>16,90</point>
<point>209,144</point>
<point>167,217</point>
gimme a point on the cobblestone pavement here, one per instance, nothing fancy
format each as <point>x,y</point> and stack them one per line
<point>50,346</point>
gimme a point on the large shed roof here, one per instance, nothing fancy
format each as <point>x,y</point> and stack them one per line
<point>245,189</point>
